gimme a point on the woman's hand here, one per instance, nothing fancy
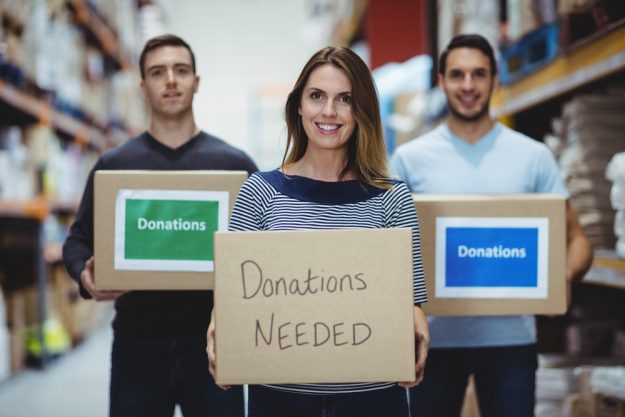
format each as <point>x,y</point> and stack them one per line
<point>210,350</point>
<point>422,338</point>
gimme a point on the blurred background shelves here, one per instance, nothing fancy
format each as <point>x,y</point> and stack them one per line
<point>90,20</point>
<point>41,111</point>
<point>68,92</point>
<point>607,269</point>
<point>597,58</point>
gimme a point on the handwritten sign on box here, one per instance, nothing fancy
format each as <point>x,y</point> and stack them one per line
<point>324,306</point>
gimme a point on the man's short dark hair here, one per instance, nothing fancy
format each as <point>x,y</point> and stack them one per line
<point>468,41</point>
<point>159,42</point>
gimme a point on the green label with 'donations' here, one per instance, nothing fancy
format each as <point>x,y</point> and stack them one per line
<point>170,229</point>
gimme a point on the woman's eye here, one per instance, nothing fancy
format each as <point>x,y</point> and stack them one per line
<point>345,99</point>
<point>315,95</point>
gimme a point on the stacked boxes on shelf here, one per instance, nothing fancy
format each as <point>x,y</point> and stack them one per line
<point>78,316</point>
<point>15,321</point>
<point>583,19</point>
<point>68,89</point>
<point>568,387</point>
<point>5,341</point>
<point>531,52</point>
<point>615,172</point>
<point>592,127</point>
<point>554,384</point>
<point>527,16</point>
<point>538,31</point>
<point>531,38</point>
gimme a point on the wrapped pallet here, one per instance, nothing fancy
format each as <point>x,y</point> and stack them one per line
<point>592,130</point>
<point>615,172</point>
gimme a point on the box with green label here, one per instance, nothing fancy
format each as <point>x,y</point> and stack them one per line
<point>153,230</point>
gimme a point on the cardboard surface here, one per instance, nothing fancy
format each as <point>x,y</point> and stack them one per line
<point>539,216</point>
<point>110,188</point>
<point>314,306</point>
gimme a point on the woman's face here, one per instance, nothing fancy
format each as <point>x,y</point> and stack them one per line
<point>326,109</point>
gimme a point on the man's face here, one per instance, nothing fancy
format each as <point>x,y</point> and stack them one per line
<point>169,82</point>
<point>468,83</point>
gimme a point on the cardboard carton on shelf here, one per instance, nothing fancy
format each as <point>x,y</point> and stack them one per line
<point>154,229</point>
<point>16,321</point>
<point>78,316</point>
<point>606,406</point>
<point>576,405</point>
<point>493,254</point>
<point>314,306</point>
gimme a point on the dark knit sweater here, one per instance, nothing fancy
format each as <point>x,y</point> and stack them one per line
<point>156,314</point>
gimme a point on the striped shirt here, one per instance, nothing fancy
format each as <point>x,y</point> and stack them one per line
<point>274,201</point>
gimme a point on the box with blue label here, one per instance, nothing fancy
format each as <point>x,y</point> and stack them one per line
<point>493,254</point>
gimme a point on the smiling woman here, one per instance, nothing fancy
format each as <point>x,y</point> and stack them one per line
<point>335,97</point>
<point>333,176</point>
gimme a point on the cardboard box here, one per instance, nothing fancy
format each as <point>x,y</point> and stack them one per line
<point>606,406</point>
<point>154,229</point>
<point>576,405</point>
<point>493,254</point>
<point>16,320</point>
<point>324,306</point>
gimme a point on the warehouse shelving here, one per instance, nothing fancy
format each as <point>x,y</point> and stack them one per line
<point>529,104</point>
<point>89,20</point>
<point>607,270</point>
<point>42,111</point>
<point>26,223</point>
<point>595,59</point>
<point>592,60</point>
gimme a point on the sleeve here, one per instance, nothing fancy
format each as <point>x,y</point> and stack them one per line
<point>397,167</point>
<point>401,212</point>
<point>250,166</point>
<point>548,176</point>
<point>78,246</point>
<point>247,213</point>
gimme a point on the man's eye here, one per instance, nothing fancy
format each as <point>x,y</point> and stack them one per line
<point>182,70</point>
<point>156,72</point>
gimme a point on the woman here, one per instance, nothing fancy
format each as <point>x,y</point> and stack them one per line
<point>334,175</point>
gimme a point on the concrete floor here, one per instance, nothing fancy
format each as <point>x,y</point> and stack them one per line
<point>74,385</point>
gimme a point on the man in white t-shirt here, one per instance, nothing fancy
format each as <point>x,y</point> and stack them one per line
<point>473,154</point>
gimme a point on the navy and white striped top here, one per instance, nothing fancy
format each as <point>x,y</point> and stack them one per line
<point>274,201</point>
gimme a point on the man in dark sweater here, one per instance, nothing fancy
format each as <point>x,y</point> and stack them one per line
<point>158,357</point>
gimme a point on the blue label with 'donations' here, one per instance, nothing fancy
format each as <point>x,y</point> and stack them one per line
<point>491,256</point>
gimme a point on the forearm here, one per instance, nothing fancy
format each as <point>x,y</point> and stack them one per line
<point>75,255</point>
<point>579,258</point>
<point>421,324</point>
<point>579,252</point>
